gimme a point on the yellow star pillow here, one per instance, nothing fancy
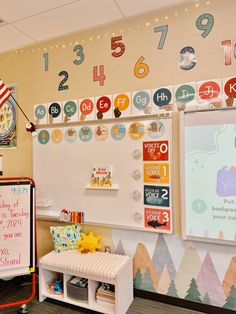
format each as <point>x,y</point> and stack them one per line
<point>89,243</point>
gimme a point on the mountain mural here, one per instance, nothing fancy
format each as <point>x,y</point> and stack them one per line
<point>162,257</point>
<point>208,282</point>
<point>188,269</point>
<point>142,261</point>
<point>164,281</point>
<point>230,276</point>
<point>120,248</point>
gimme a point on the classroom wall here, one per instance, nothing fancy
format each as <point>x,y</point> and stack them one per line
<point>161,263</point>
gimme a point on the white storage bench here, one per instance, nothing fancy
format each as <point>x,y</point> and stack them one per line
<point>96,267</point>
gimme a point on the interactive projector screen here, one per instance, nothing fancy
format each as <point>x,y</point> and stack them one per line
<point>208,175</point>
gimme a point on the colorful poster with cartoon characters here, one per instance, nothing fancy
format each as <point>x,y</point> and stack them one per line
<point>8,121</point>
<point>158,219</point>
<point>101,176</point>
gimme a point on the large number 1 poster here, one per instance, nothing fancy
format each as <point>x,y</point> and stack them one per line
<point>209,174</point>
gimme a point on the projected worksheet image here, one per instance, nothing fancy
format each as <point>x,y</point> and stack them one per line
<point>210,180</point>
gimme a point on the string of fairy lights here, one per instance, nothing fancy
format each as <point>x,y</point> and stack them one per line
<point>69,44</point>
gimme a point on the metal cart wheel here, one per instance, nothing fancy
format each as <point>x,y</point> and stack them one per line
<point>23,309</point>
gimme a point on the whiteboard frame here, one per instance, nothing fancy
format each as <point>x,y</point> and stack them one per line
<point>49,214</point>
<point>31,268</point>
<point>184,234</point>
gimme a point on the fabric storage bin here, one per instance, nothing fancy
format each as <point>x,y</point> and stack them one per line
<point>75,291</point>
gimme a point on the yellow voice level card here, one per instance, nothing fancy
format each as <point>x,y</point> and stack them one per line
<point>156,172</point>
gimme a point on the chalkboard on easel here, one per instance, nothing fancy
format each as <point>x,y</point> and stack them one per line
<point>17,232</point>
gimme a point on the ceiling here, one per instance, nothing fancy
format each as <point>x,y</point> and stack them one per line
<point>26,22</point>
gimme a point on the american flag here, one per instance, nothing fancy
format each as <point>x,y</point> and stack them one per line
<point>4,93</point>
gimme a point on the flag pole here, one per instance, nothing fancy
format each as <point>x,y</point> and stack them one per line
<point>29,127</point>
<point>19,107</point>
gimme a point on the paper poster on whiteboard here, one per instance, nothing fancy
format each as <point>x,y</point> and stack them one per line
<point>210,175</point>
<point>14,227</point>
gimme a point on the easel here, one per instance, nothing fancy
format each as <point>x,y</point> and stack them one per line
<point>18,188</point>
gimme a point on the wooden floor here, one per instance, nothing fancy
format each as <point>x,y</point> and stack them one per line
<point>19,289</point>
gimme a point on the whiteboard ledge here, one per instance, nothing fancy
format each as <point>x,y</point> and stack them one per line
<point>162,115</point>
<point>48,217</point>
<point>209,240</point>
<point>101,224</point>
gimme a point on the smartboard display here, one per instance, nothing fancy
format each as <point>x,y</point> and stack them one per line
<point>69,162</point>
<point>208,175</point>
<point>16,228</point>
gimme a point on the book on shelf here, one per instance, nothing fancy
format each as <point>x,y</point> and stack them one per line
<point>105,296</point>
<point>101,176</point>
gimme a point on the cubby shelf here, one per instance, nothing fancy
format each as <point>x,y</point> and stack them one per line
<point>118,274</point>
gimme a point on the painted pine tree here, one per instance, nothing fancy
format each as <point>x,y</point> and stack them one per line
<point>147,281</point>
<point>206,299</point>
<point>172,291</point>
<point>231,299</point>
<point>138,279</point>
<point>193,293</point>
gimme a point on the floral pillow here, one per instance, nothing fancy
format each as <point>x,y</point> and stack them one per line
<point>65,237</point>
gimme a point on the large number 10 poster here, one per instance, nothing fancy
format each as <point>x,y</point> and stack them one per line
<point>209,175</point>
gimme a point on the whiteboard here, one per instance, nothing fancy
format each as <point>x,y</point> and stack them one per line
<point>16,227</point>
<point>208,175</point>
<point>62,172</point>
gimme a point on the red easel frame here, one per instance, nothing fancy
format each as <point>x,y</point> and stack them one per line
<point>33,289</point>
